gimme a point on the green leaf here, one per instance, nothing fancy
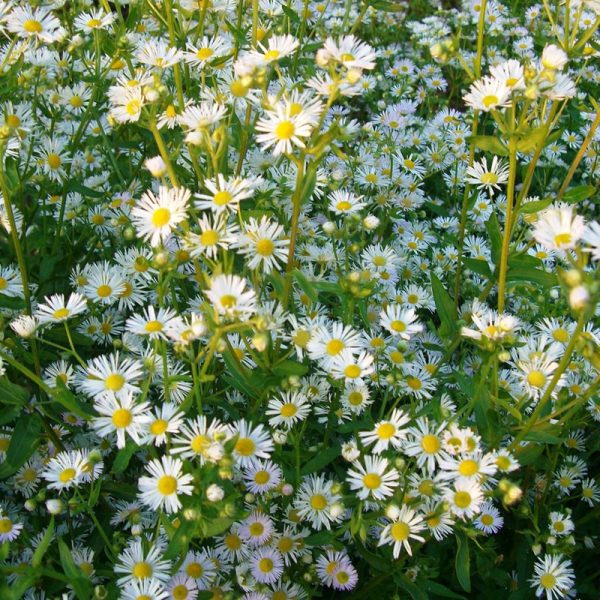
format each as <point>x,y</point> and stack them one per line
<point>290,367</point>
<point>36,559</point>
<point>543,437</point>
<point>322,538</point>
<point>10,393</point>
<point>123,457</point>
<point>76,186</point>
<point>530,208</point>
<point>216,526</point>
<point>489,143</point>
<point>579,193</point>
<point>441,590</point>
<point>23,443</point>
<point>493,230</point>
<point>462,562</point>
<point>81,585</point>
<point>385,6</point>
<point>322,459</point>
<point>416,593</point>
<point>534,276</point>
<point>532,139</point>
<point>306,285</point>
<point>445,306</point>
<point>69,400</point>
<point>478,266</point>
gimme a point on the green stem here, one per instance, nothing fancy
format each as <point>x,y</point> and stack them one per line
<point>510,193</point>
<point>163,152</point>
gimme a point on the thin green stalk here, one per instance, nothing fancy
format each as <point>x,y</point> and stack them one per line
<point>510,193</point>
<point>164,153</point>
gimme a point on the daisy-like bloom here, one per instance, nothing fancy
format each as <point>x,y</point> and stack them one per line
<point>553,577</point>
<point>439,522</point>
<point>317,502</point>
<point>590,492</point>
<point>9,529</point>
<point>200,568</point>
<point>88,22</point>
<point>263,244</point>
<point>126,104</point>
<point>197,120</point>
<point>251,443</point>
<point>335,570</point>
<point>288,410</point>
<point>256,529</point>
<point>24,326</point>
<point>34,22</point>
<point>510,73</point>
<point>155,217</point>
<point>560,524</point>
<point>53,157</point>
<point>55,309</point>
<point>488,94</point>
<point>425,442</point>
<point>554,58</point>
<point>465,498</point>
<point>111,376</point>
<point>591,236</point>
<point>404,527</point>
<point>205,51</point>
<point>166,482</point>
<point>373,480</point>
<point>10,283</point>
<point>182,587</point>
<point>104,283</point>
<point>387,432</point>
<point>349,51</point>
<point>266,565</point>
<point>157,53</point>
<point>558,228</point>
<point>282,130</point>
<point>215,234</point>
<point>342,202</point>
<point>534,376</point>
<point>474,466</point>
<point>225,194</point>
<point>165,419</point>
<point>489,178</point>
<point>262,476</point>
<point>400,321</point>
<point>145,589</point>
<point>121,416</point>
<point>139,566</point>
<point>198,439</point>
<point>28,477</point>
<point>183,330</point>
<point>490,324</point>
<point>150,323</point>
<point>278,47</point>
<point>65,470</point>
<point>489,519</point>
<point>229,296</point>
<point>329,342</point>
<point>352,368</point>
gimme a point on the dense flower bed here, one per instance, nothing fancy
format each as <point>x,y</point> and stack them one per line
<point>297,299</point>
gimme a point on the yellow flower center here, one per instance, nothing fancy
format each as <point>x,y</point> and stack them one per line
<point>179,592</point>
<point>32,26</point>
<point>53,160</point>
<point>3,283</point>
<point>122,417</point>
<point>285,544</point>
<point>318,502</point>
<point>194,570</point>
<point>114,382</point>
<point>352,371</point>
<point>560,335</point>
<point>272,55</point>
<point>548,581</point>
<point>468,467</point>
<point>398,326</point>
<point>426,487</point>
<point>161,216</point>
<point>199,443</point>
<point>413,383</point>
<point>153,326</point>
<point>489,178</point>
<point>209,237</point>
<point>343,206</point>
<point>159,427</point>
<point>562,239</point>
<point>167,485</point>
<point>294,109</point>
<point>385,431</point>
<point>285,130</point>
<point>302,338</point>
<point>355,398</point>
<point>342,577</point>
<point>265,247</point>
<point>334,347</point>
<point>222,198</point>
<point>132,107</point>
<point>204,53</point>
<point>142,570</point>
<point>265,565</point>
<point>536,379</point>
<point>261,477</point>
<point>256,529</point>
<point>5,525</point>
<point>233,542</point>
<point>399,531</point>
<point>288,410</point>
<point>13,121</point>
<point>67,475</point>
<point>104,291</point>
<point>490,100</point>
<point>487,520</point>
<point>61,313</point>
<point>244,446</point>
<point>430,443</point>
<point>462,499</point>
<point>93,23</point>
<point>372,481</point>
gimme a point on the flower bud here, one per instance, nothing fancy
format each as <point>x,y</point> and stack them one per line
<point>578,297</point>
<point>215,493</point>
<point>55,506</point>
